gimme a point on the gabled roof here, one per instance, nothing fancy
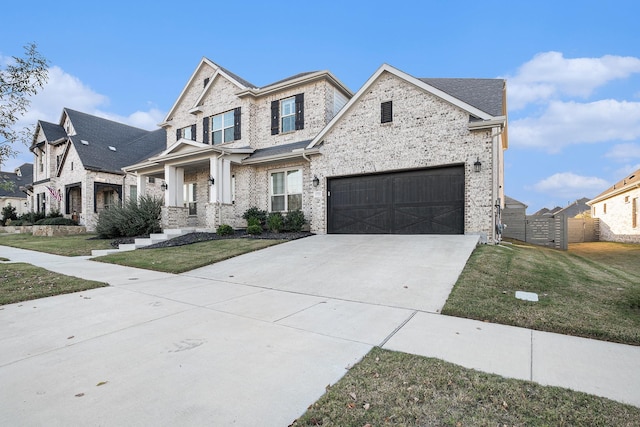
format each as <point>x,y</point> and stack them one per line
<point>484,94</point>
<point>481,103</point>
<point>279,152</point>
<point>510,201</point>
<point>577,207</point>
<point>622,186</point>
<point>16,181</point>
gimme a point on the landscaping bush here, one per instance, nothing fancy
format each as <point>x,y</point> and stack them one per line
<point>30,218</point>
<point>224,230</point>
<point>54,214</point>
<point>255,229</point>
<point>8,214</point>
<point>135,218</point>
<point>294,221</point>
<point>253,221</point>
<point>254,212</point>
<point>275,222</point>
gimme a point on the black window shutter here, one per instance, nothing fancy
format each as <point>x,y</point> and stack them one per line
<point>237,113</point>
<point>205,130</point>
<point>300,111</point>
<point>386,112</point>
<point>193,132</point>
<point>275,117</point>
<point>178,134</point>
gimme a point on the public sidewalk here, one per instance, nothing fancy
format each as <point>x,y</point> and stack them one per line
<point>161,349</point>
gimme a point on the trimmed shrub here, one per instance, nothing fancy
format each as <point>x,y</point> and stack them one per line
<point>254,229</point>
<point>135,218</point>
<point>224,230</point>
<point>54,214</point>
<point>252,220</point>
<point>8,214</point>
<point>56,221</point>
<point>294,221</point>
<point>275,222</point>
<point>254,212</point>
<point>31,217</point>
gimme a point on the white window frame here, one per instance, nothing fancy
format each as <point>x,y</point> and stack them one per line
<point>224,127</point>
<point>190,194</point>
<point>185,133</point>
<point>286,192</point>
<point>288,111</point>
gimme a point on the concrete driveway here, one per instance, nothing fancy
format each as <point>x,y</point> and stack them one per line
<point>249,341</point>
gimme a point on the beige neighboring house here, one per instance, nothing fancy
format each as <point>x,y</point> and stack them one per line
<point>617,209</point>
<point>13,188</point>
<point>402,155</point>
<point>78,165</point>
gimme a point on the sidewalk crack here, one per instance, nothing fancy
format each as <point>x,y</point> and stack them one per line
<point>400,326</point>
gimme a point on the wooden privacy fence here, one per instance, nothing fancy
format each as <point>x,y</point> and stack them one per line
<point>550,231</point>
<point>584,230</point>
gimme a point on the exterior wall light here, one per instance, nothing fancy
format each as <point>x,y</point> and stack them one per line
<point>477,166</point>
<point>211,180</point>
<point>315,181</point>
<point>164,186</point>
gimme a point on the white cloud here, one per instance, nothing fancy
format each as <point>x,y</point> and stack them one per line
<point>570,186</point>
<point>624,152</point>
<point>64,90</point>
<point>565,123</point>
<point>549,74</point>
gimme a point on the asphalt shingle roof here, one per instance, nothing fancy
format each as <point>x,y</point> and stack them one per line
<point>628,181</point>
<point>484,94</point>
<point>26,171</point>
<point>131,144</point>
<point>278,149</point>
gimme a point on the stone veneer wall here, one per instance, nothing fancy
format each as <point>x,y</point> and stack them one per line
<point>426,132</point>
<point>173,217</point>
<point>616,225</point>
<point>57,230</point>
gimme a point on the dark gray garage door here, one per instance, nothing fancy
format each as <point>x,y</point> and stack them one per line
<point>426,201</point>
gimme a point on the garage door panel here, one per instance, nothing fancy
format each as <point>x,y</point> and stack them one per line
<point>427,201</point>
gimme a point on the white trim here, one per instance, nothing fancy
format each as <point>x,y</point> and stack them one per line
<point>291,83</point>
<point>408,78</point>
<point>286,192</point>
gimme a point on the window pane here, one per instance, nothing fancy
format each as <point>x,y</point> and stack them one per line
<point>294,202</point>
<point>228,134</point>
<point>228,119</point>
<point>294,181</point>
<point>217,137</point>
<point>288,106</point>
<point>186,132</point>
<point>288,123</point>
<point>277,183</point>
<point>277,203</point>
<point>216,122</point>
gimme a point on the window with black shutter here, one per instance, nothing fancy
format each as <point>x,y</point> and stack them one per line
<point>178,134</point>
<point>300,111</point>
<point>386,112</point>
<point>205,129</point>
<point>193,132</point>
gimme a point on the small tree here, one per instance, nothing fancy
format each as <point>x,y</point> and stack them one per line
<point>135,218</point>
<point>8,214</point>
<point>19,80</point>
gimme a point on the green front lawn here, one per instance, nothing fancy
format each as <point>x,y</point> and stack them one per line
<point>76,245</point>
<point>592,290</point>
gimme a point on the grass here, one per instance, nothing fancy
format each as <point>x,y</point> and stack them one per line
<point>22,282</point>
<point>592,290</point>
<point>76,245</point>
<point>397,389</point>
<point>179,259</point>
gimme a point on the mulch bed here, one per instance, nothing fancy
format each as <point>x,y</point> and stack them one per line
<point>190,238</point>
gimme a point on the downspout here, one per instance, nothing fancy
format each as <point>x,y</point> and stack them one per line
<point>497,206</point>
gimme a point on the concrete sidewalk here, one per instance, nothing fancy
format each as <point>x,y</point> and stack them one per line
<point>163,349</point>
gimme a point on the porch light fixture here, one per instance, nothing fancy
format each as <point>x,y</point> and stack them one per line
<point>315,181</point>
<point>164,186</point>
<point>211,180</point>
<point>477,166</point>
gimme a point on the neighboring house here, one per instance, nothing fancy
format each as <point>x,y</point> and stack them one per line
<point>576,208</point>
<point>78,164</point>
<point>402,155</point>
<point>617,209</point>
<point>13,188</point>
<point>514,217</point>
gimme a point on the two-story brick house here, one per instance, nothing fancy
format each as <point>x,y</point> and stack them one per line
<point>78,164</point>
<point>402,155</point>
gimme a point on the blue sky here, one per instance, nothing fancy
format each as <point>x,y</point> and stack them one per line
<point>572,68</point>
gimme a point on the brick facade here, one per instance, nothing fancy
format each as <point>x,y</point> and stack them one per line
<point>616,224</point>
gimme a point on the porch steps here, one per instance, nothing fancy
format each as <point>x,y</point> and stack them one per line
<point>140,243</point>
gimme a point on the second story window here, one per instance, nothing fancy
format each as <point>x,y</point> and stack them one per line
<point>188,132</point>
<point>222,128</point>
<point>287,114</point>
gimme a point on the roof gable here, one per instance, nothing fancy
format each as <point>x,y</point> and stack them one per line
<point>217,71</point>
<point>432,89</point>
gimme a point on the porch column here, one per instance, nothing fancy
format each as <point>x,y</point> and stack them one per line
<point>174,177</point>
<point>213,171</point>
<point>225,181</point>
<point>142,185</point>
